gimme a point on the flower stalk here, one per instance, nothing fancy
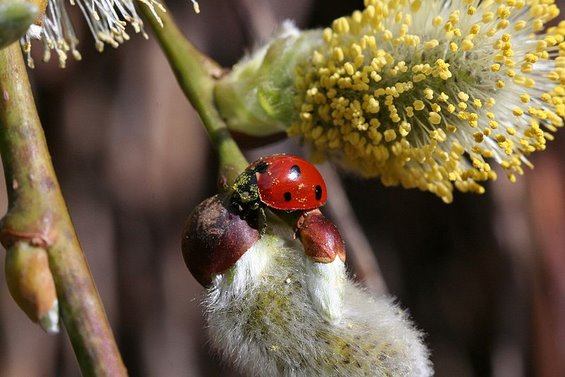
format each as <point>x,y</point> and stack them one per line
<point>38,216</point>
<point>196,74</point>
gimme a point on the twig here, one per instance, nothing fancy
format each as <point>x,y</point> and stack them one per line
<point>38,215</point>
<point>196,73</point>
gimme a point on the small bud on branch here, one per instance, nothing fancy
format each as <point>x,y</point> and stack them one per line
<point>31,284</point>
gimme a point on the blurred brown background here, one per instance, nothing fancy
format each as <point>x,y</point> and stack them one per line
<point>484,276</point>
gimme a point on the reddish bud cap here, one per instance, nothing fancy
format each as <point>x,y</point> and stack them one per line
<point>214,238</point>
<point>320,237</point>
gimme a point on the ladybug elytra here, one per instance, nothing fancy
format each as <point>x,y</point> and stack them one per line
<point>282,182</point>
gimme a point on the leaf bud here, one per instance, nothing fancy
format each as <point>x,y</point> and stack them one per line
<point>31,284</point>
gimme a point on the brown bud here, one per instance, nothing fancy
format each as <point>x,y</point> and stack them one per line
<point>214,238</point>
<point>30,281</point>
<point>320,237</point>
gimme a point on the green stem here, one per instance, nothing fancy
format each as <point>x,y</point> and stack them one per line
<point>196,75</point>
<point>38,215</point>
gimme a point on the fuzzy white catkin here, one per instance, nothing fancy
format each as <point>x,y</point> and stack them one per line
<point>261,317</point>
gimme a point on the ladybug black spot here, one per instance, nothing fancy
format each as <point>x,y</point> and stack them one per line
<point>318,192</point>
<point>287,196</point>
<point>294,172</point>
<point>262,167</point>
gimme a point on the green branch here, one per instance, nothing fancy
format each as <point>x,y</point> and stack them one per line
<point>196,75</point>
<point>37,215</point>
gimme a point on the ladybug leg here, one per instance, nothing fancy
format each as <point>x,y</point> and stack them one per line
<point>324,263</point>
<point>261,221</point>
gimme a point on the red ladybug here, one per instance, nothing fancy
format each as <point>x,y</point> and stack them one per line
<point>282,182</point>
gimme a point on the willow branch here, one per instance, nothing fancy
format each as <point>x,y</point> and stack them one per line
<point>196,74</point>
<point>38,215</point>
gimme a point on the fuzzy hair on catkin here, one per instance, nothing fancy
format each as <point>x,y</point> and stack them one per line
<point>261,317</point>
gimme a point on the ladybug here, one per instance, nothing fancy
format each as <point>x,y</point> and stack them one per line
<point>282,182</point>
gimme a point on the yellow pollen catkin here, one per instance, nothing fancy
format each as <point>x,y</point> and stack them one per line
<point>438,80</point>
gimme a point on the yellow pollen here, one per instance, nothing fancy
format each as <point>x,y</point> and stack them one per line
<point>431,44</point>
<point>467,44</point>
<point>503,24</point>
<point>390,135</point>
<point>438,135</point>
<point>434,118</point>
<point>520,25</point>
<point>418,105</point>
<point>527,68</point>
<point>349,68</point>
<point>404,128</point>
<point>341,25</point>
<point>463,96</point>
<point>546,97</point>
<point>317,58</point>
<point>327,35</point>
<point>487,17</point>
<point>517,111</point>
<point>338,54</point>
